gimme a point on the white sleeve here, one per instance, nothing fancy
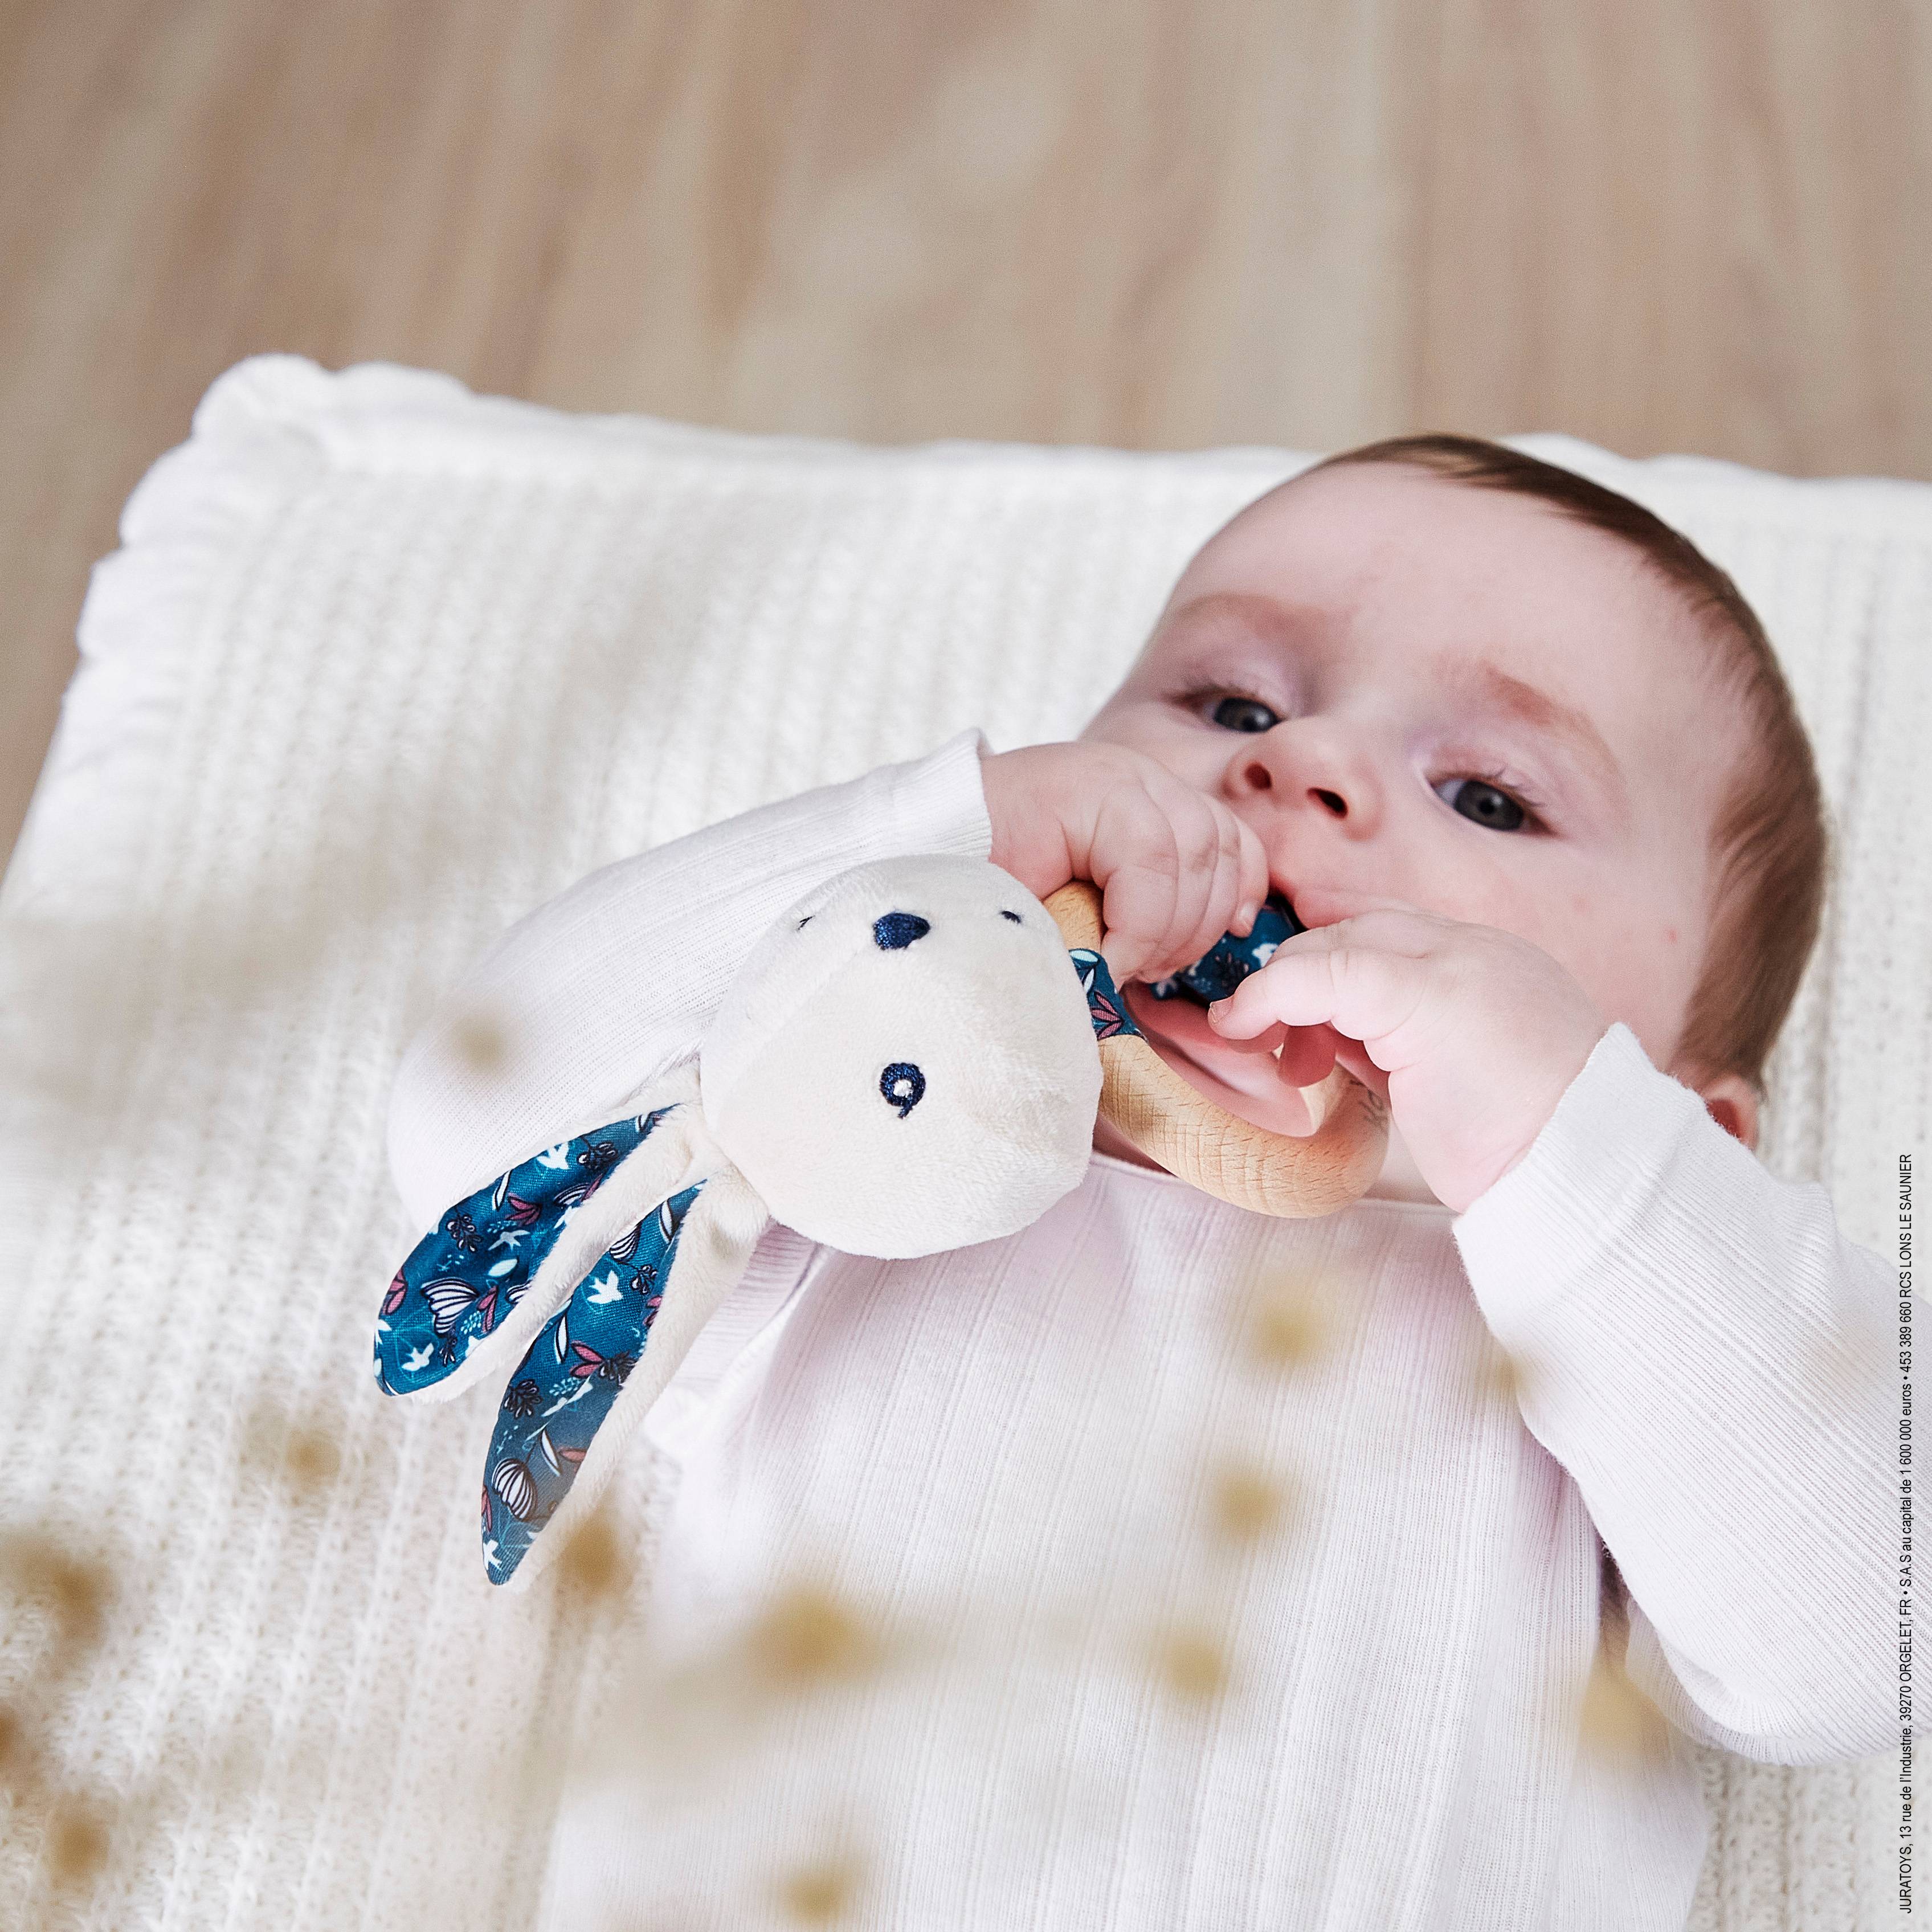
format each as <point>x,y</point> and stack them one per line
<point>584,1002</point>
<point>1709,1358</point>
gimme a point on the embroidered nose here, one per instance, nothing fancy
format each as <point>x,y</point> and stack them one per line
<point>902,1083</point>
<point>895,930</point>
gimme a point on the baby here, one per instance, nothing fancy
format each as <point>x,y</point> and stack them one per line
<point>1565,731</point>
<point>1179,1568</point>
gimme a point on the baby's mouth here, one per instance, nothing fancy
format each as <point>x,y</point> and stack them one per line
<point>1245,1079</point>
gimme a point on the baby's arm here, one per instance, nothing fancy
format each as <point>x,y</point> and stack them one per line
<point>588,999</point>
<point>1706,1355</point>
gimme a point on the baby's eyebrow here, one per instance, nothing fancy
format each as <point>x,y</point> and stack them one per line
<point>1265,617</point>
<point>1490,684</point>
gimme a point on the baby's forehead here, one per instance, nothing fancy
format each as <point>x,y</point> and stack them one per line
<point>1420,565</point>
<point>1367,520</point>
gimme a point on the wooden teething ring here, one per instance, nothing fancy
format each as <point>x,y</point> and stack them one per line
<point>1174,1123</point>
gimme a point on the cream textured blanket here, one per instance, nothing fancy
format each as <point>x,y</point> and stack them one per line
<point>381,665</point>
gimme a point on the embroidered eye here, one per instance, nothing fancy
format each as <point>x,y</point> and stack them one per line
<point>903,1085</point>
<point>895,930</point>
<point>805,922</point>
<point>1013,915</point>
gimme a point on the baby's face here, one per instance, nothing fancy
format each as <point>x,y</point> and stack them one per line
<point>1415,689</point>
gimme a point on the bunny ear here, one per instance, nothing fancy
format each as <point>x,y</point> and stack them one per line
<point>476,1285</point>
<point>1104,1007</point>
<point>601,1362</point>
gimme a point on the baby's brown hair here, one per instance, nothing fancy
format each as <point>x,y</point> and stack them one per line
<point>1769,844</point>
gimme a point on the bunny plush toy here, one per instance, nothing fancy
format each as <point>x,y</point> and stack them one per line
<point>910,1060</point>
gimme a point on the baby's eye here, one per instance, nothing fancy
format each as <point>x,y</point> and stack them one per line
<point>1236,713</point>
<point>1479,799</point>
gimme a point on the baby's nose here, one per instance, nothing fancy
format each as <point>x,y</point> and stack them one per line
<point>894,931</point>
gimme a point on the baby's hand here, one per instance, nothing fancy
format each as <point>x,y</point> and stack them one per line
<point>1477,1032</point>
<point>1177,868</point>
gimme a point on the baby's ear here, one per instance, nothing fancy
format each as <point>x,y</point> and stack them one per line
<point>1732,1102</point>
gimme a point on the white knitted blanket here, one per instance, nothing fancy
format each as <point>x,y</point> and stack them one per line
<point>379,667</point>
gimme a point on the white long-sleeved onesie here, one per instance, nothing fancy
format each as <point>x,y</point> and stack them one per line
<point>1175,1633</point>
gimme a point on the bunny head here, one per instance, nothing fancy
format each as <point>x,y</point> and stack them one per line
<point>906,1063</point>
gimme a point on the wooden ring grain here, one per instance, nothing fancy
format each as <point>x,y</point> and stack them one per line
<point>1153,1108</point>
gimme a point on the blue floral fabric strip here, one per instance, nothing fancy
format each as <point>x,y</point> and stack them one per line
<point>1229,960</point>
<point>565,1386</point>
<point>1104,1007</point>
<point>462,1278</point>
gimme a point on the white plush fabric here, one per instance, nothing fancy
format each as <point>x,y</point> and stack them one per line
<point>381,666</point>
<point>981,1006</point>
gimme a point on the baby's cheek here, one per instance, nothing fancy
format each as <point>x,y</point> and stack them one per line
<point>1505,904</point>
<point>1628,972</point>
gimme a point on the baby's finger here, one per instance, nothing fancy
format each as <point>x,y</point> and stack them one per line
<point>1136,912</point>
<point>1130,857</point>
<point>1198,837</point>
<point>1308,1054</point>
<point>1210,894</point>
<point>1229,894</point>
<point>1253,872</point>
<point>1151,854</point>
<point>1364,992</point>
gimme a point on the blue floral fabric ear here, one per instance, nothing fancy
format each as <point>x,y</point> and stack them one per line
<point>564,1387</point>
<point>462,1278</point>
<point>1104,1007</point>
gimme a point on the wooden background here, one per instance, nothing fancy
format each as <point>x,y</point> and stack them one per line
<point>1698,225</point>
